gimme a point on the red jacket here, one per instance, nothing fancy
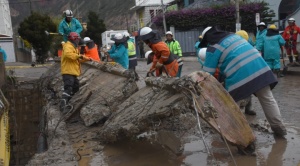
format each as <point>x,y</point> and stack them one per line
<point>291,32</point>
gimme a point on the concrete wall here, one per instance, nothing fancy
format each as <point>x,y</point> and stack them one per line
<point>8,46</point>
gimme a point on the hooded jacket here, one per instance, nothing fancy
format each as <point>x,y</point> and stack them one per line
<point>119,54</point>
<point>174,47</point>
<point>70,60</point>
<point>259,39</point>
<point>65,28</point>
<point>272,43</point>
<point>244,69</point>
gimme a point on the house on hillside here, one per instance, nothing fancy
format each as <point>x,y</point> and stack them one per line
<point>146,10</point>
<point>6,32</point>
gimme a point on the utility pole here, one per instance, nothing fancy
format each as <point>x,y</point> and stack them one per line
<point>164,19</point>
<point>237,8</point>
<point>30,6</point>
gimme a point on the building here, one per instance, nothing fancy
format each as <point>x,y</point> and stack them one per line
<point>6,32</point>
<point>146,10</point>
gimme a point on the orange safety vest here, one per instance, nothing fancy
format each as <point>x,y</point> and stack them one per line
<point>92,53</point>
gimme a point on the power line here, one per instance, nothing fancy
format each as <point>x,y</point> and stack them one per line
<point>28,1</point>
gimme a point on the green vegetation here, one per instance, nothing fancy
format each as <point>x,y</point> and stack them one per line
<point>33,30</point>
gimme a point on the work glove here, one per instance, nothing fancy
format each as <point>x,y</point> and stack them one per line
<point>83,57</point>
<point>158,65</point>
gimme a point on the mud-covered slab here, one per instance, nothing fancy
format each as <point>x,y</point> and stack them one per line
<point>217,107</point>
<point>168,98</point>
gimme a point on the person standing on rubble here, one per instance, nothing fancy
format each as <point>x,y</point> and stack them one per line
<point>118,51</point>
<point>68,25</point>
<point>244,70</point>
<point>70,68</point>
<point>163,59</point>
<point>290,35</point>
<point>175,49</point>
<point>91,49</point>
<point>131,54</point>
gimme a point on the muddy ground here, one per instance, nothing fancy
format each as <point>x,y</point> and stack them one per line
<point>269,150</point>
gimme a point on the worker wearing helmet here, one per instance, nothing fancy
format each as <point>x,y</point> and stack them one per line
<point>273,46</point>
<point>131,54</point>
<point>290,35</point>
<point>260,35</point>
<point>70,68</point>
<point>245,71</point>
<point>91,49</point>
<point>118,51</point>
<point>197,48</point>
<point>175,48</point>
<point>68,25</point>
<point>163,59</point>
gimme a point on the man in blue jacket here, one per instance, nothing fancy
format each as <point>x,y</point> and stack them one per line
<point>244,70</point>
<point>118,51</point>
<point>68,25</point>
<point>260,35</point>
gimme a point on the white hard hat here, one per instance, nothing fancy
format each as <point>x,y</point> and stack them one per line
<point>118,36</point>
<point>262,24</point>
<point>86,39</point>
<point>291,20</point>
<point>202,54</point>
<point>169,33</point>
<point>205,30</point>
<point>68,13</point>
<point>126,34</point>
<point>145,31</point>
<point>147,54</point>
<point>63,42</point>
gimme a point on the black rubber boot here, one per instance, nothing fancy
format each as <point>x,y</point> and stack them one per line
<point>291,59</point>
<point>248,109</point>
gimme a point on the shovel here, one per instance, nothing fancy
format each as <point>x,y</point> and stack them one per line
<point>285,68</point>
<point>51,33</point>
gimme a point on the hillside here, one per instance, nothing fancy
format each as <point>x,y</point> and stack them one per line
<point>113,12</point>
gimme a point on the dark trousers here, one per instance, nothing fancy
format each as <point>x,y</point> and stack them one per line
<point>71,86</point>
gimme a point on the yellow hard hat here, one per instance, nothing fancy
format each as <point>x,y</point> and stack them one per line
<point>272,26</point>
<point>243,34</point>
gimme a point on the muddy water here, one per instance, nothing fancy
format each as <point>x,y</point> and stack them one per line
<point>270,151</point>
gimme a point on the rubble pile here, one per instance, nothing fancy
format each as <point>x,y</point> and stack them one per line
<point>109,99</point>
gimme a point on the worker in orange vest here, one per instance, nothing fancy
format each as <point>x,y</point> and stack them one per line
<point>290,36</point>
<point>163,59</point>
<point>91,49</point>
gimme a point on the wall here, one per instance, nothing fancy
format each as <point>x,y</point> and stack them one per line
<point>2,71</point>
<point>151,2</point>
<point>8,45</point>
<point>25,108</point>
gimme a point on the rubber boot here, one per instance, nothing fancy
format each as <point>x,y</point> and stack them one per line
<point>291,59</point>
<point>64,101</point>
<point>249,109</point>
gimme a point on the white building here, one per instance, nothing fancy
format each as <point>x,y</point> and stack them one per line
<point>6,32</point>
<point>147,9</point>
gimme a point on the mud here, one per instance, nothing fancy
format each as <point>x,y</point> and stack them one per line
<point>269,150</point>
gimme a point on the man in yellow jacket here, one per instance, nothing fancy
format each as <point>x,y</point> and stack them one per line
<point>175,49</point>
<point>70,68</point>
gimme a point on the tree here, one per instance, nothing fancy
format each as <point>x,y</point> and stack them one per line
<point>220,15</point>
<point>33,30</point>
<point>95,26</point>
